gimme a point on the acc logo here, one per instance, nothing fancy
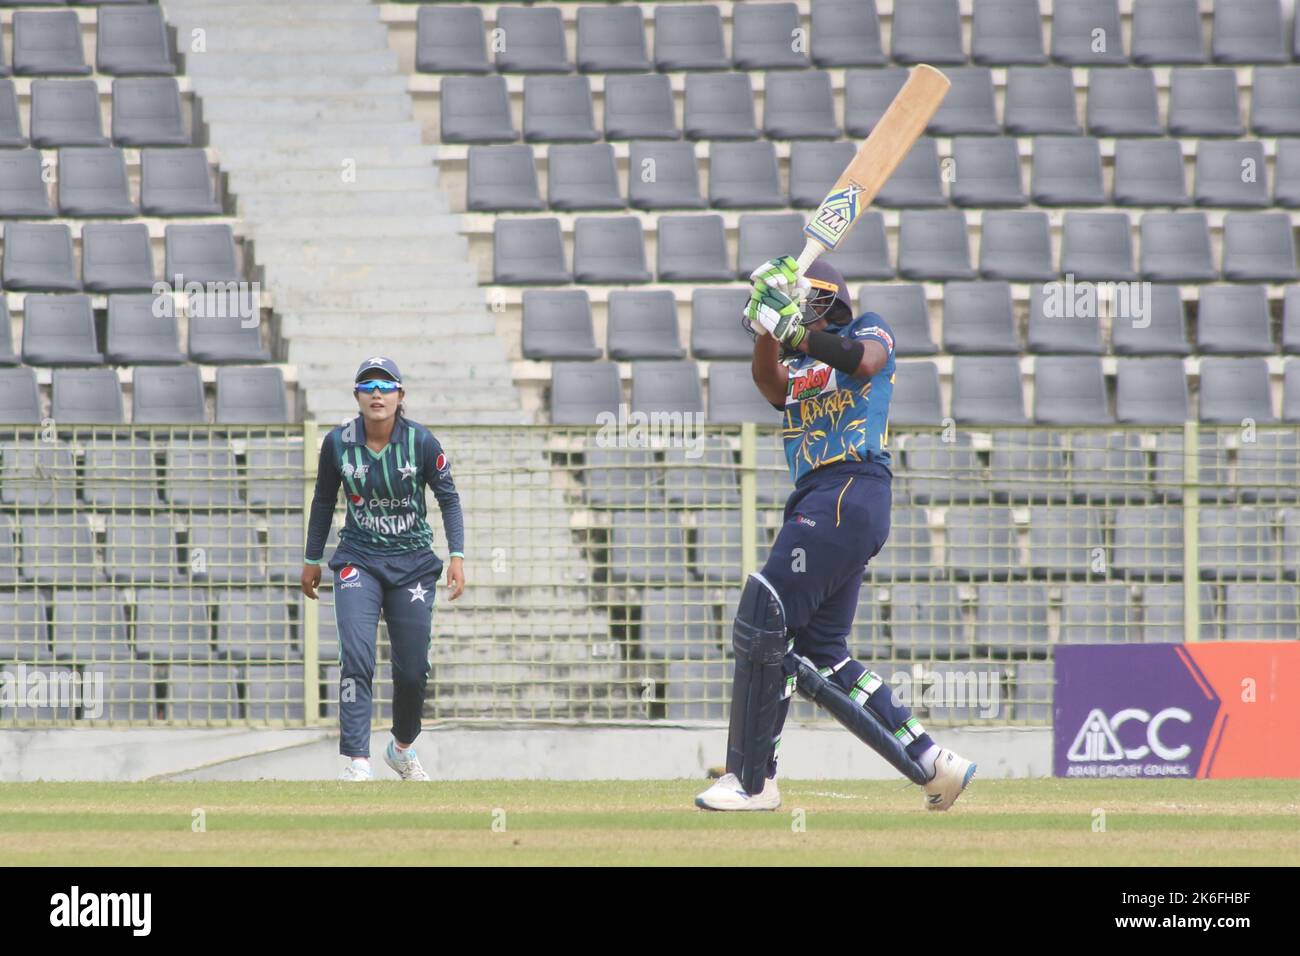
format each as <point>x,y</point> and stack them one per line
<point>1097,740</point>
<point>349,577</point>
<point>358,501</point>
<point>441,463</point>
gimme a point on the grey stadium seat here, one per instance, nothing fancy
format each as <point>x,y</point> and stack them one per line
<point>1203,102</point>
<point>1063,542</point>
<point>1275,101</point>
<point>1016,246</point>
<point>1234,389</point>
<point>639,107</point>
<point>557,325</point>
<point>147,111</point>
<point>475,109</point>
<point>719,106</point>
<point>582,390</point>
<point>981,543</point>
<point>177,182</point>
<point>22,189</point>
<point>643,325</point>
<point>1237,543</point>
<point>1097,614</point>
<point>450,40</point>
<point>1258,247</point>
<point>24,629</point>
<point>136,336</point>
<point>217,338</point>
<point>1249,31</point>
<point>641,554</point>
<point>1151,392</point>
<point>20,398</point>
<point>620,477</point>
<point>1167,32</point>
<point>46,44</point>
<point>203,253</point>
<point>814,169</point>
<point>1123,103</point>
<point>123,477</point>
<point>927,31</point>
<point>1108,468</point>
<point>867,94</point>
<point>1234,320</point>
<point>60,552</point>
<point>926,621</point>
<point>1163,331</point>
<point>1055,327</point>
<point>251,396</point>
<point>916,399</point>
<point>846,33</point>
<point>201,474</point>
<point>1075,37</point>
<point>988,172</point>
<point>1018,454</point>
<point>38,257</point>
<point>167,394</point>
<point>89,625</point>
<point>863,253</point>
<point>693,249</point>
<point>970,107</point>
<point>1291,320</point>
<point>221,549</point>
<point>501,178</point>
<point>66,113</point>
<point>932,244</point>
<point>87,396</point>
<point>745,176</point>
<point>978,319</point>
<point>1291,391</point>
<point>1067,171</point>
<point>1261,612</point>
<point>558,109</point>
<point>11,125</point>
<point>691,693</point>
<point>679,625</point>
<point>253,624</point>
<point>582,177</point>
<point>689,37</point>
<point>27,472</point>
<point>906,556</point>
<point>144,550</point>
<point>1040,101</point>
<point>766,235</point>
<point>611,39</point>
<point>271,482</point>
<point>799,105</point>
<point>116,257</point>
<point>1069,390</point>
<point>534,40</point>
<point>915,183</point>
<point>762,37</point>
<point>528,250</point>
<point>7,354</point>
<point>1012,619</point>
<point>133,41</point>
<point>1149,172</point>
<point>609,249</point>
<point>1231,174</point>
<point>174,624</point>
<point>1176,248</point>
<point>716,332</point>
<point>1097,246</point>
<point>904,308</point>
<point>734,398</point>
<point>986,390</point>
<point>663,175</point>
<point>1286,178</point>
<point>1006,32</point>
<point>666,387</point>
<point>93,182</point>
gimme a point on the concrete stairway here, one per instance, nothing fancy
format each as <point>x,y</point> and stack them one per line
<point>311,118</point>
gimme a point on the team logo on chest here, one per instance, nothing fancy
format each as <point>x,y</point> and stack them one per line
<point>407,470</point>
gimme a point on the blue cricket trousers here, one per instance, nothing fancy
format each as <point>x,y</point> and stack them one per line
<point>402,586</point>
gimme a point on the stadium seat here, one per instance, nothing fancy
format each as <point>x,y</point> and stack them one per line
<point>1167,32</point>
<point>734,398</point>
<point>177,182</point>
<point>578,177</point>
<point>621,477</point>
<point>1108,469</point>
<point>981,543</point>
<point>1162,614</point>
<point>61,552</point>
<point>1286,178</point>
<point>221,548</point>
<point>799,105</point>
<point>907,313</point>
<point>557,325</point>
<point>1123,103</point>
<point>1291,391</point>
<point>272,483</point>
<point>92,182</point>
<point>116,258</point>
<point>24,629</point>
<point>1171,460</point>
<point>663,175</point>
<point>147,111</point>
<point>691,692</point>
<point>907,555</point>
<point>916,399</point>
<point>59,330</point>
<point>1162,331</point>
<point>927,31</point>
<point>814,169</point>
<point>1258,247</point>
<point>1064,543</point>
<point>1176,248</point>
<point>450,40</point>
<point>1275,101</point>
<point>762,37</point>
<point>666,387</point>
<point>86,396</point>
<point>7,354</point>
<point>609,249</point>
<point>36,475</point>
<point>978,319</point>
<point>1006,33</point>
<point>717,552</point>
<point>932,244</point>
<point>1237,543</point>
<point>200,253</point>
<point>251,396</point>
<point>925,621</point>
<point>938,471</point>
<point>1249,32</point>
<point>1149,172</point>
<point>970,108</point>
<point>253,624</point>
<point>20,398</point>
<point>1099,613</point>
<point>1203,102</point>
<point>744,176</point>
<point>48,44</point>
<point>11,124</point>
<point>535,40</point>
<point>1067,171</point>
<point>1261,612</point>
<point>1231,173</point>
<point>643,325</point>
<point>1040,101</point>
<point>639,107</point>
<point>1069,390</point>
<point>132,41</point>
<point>1011,618</point>
<point>642,552</point>
<point>273,692</point>
<point>1028,467</point>
<point>689,37</point>
<point>716,332</point>
<point>475,109</point>
<point>66,113</point>
<point>1151,392</point>
<point>89,624</point>
<point>140,549</point>
<point>1234,389</point>
<point>719,106</point>
<point>558,109</point>
<point>1291,320</point>
<point>118,478</point>
<point>1087,33</point>
<point>1057,327</point>
<point>679,625</point>
<point>199,474</point>
<point>989,172</point>
<point>1290,518</point>
<point>986,390</point>
<point>763,236</point>
<point>1097,247</point>
<point>867,94</point>
<point>846,33</point>
<point>582,390</point>
<point>915,182</point>
<point>1016,246</point>
<point>504,178</point>
<point>136,335</point>
<point>862,254</point>
<point>528,250</point>
<point>1234,320</point>
<point>611,40</point>
<point>22,187</point>
<point>693,249</point>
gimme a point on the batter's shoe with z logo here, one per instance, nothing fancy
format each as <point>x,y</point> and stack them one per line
<point>951,776</point>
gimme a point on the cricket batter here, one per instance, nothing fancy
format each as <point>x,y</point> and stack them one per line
<point>832,375</point>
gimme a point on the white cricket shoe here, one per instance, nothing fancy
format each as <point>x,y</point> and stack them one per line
<point>356,772</point>
<point>951,776</point>
<point>405,765</point>
<point>727,794</point>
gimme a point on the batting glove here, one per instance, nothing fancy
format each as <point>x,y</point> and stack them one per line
<point>781,275</point>
<point>778,315</point>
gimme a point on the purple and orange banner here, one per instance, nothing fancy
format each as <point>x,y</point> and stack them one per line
<point>1177,710</point>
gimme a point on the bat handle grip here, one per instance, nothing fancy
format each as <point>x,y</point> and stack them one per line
<point>811,250</point>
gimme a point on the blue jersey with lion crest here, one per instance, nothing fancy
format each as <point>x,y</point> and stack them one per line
<point>832,417</point>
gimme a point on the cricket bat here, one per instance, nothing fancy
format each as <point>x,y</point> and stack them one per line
<point>891,139</point>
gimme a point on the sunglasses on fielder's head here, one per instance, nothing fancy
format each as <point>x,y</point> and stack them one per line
<point>378,385</point>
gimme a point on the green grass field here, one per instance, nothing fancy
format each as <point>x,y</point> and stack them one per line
<point>1028,822</point>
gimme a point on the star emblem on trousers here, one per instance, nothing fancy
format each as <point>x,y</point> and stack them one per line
<point>417,593</point>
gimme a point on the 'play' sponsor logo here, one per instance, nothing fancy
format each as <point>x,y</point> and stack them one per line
<point>809,383</point>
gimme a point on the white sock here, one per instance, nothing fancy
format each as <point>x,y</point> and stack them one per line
<point>363,762</point>
<point>400,747</point>
<point>927,760</point>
